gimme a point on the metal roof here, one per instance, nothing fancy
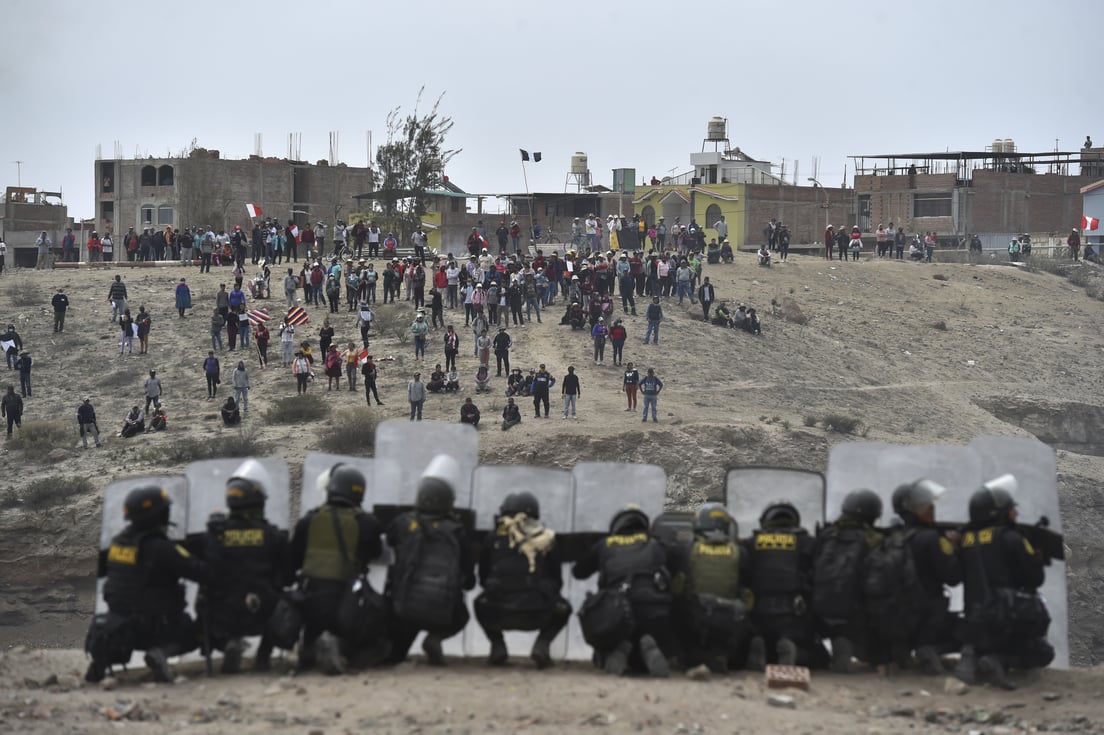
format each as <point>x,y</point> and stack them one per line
<point>957,155</point>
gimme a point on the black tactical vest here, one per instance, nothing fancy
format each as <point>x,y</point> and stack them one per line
<point>134,586</point>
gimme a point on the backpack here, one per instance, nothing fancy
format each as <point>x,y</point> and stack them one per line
<point>427,588</point>
<point>837,572</point>
<point>891,585</point>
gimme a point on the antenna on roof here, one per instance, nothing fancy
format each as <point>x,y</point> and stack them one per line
<point>257,145</point>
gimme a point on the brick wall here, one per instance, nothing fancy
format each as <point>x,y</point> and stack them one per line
<point>801,208</point>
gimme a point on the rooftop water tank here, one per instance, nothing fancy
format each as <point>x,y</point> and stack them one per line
<point>716,130</point>
<point>1009,145</point>
<point>998,145</point>
<point>579,163</point>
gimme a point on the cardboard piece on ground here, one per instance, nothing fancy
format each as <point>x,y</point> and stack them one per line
<point>749,490</point>
<point>602,489</point>
<point>490,486</point>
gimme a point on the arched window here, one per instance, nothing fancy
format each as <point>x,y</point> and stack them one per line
<point>165,175</point>
<point>164,215</point>
<point>149,176</point>
<point>712,215</point>
<point>648,213</point>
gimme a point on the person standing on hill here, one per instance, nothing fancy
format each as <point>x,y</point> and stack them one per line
<point>211,372</point>
<point>654,315</point>
<point>60,302</point>
<point>571,391</point>
<point>650,387</point>
<point>86,421</point>
<point>153,390</point>
<point>11,407</point>
<point>183,297</point>
<point>117,295</point>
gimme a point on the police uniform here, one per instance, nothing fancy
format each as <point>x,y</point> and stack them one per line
<point>712,612</point>
<point>937,567</point>
<point>1005,617</point>
<point>250,562</point>
<point>323,571</point>
<point>144,593</point>
<point>427,580</point>
<point>631,559</point>
<point>519,594</point>
<point>781,560</point>
<point>838,601</point>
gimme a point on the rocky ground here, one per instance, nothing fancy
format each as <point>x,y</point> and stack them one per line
<point>915,353</point>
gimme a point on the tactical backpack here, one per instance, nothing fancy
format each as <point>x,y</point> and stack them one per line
<point>837,572</point>
<point>891,586</point>
<point>427,588</point>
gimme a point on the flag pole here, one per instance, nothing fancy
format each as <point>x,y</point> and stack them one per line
<point>528,198</point>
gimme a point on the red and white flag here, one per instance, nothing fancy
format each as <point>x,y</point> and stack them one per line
<point>362,356</point>
<point>295,231</point>
<point>297,315</point>
<point>253,210</point>
<point>1089,223</point>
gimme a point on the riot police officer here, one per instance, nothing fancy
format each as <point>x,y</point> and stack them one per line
<point>520,571</point>
<point>331,546</point>
<point>628,621</point>
<point>713,605</point>
<point>781,558</point>
<point>143,591</point>
<point>434,565</point>
<point>838,603</point>
<point>249,561</point>
<point>931,629</point>
<point>1006,620</point>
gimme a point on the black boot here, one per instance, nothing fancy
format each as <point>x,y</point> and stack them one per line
<point>499,654</point>
<point>540,654</point>
<point>966,670</point>
<point>992,667</point>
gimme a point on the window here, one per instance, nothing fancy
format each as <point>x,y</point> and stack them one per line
<point>165,175</point>
<point>147,215</point>
<point>931,205</point>
<point>712,215</point>
<point>149,176</point>
<point>648,213</point>
<point>455,204</point>
<point>164,215</point>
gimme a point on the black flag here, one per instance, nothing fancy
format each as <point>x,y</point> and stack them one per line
<point>524,154</point>
<point>536,157</point>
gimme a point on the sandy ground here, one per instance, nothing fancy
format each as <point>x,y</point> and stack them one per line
<point>918,353</point>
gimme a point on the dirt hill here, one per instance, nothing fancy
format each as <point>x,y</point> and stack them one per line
<point>906,352</point>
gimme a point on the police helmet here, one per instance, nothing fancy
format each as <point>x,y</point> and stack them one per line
<point>993,500</point>
<point>436,493</point>
<point>523,502</point>
<point>863,505</point>
<point>246,486</point>
<point>712,521</point>
<point>628,519</point>
<point>147,507</point>
<point>345,485</point>
<point>915,496</point>
<point>780,515</point>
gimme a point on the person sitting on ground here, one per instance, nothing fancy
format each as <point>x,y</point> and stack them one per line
<point>134,423</point>
<point>752,324</point>
<point>436,382</point>
<point>721,317</point>
<point>231,415</point>
<point>469,413</point>
<point>713,253</point>
<point>452,381</point>
<point>726,252</point>
<point>739,319</point>
<point>159,420</point>
<point>915,251</point>
<point>511,414</point>
<point>483,379</point>
<point>764,256</point>
<point>515,382</point>
<point>1090,254</point>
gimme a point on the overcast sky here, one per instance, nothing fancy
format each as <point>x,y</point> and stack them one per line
<point>631,84</point>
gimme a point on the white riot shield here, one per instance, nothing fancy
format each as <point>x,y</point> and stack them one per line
<point>602,489</point>
<point>749,490</point>
<point>490,486</point>
<point>207,490</point>
<point>412,445</point>
<point>962,470</point>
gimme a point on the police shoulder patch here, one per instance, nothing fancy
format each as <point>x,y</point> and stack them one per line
<point>1028,547</point>
<point>182,551</point>
<point>946,546</point>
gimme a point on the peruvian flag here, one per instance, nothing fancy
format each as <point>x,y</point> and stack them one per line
<point>362,356</point>
<point>1089,223</point>
<point>253,210</point>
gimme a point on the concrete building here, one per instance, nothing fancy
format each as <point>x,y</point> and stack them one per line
<point>1093,206</point>
<point>26,213</point>
<point>995,192</point>
<point>204,189</point>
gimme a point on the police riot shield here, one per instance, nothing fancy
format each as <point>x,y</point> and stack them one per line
<point>962,470</point>
<point>207,488</point>
<point>413,445</point>
<point>602,489</point>
<point>490,486</point>
<point>749,490</point>
<point>113,522</point>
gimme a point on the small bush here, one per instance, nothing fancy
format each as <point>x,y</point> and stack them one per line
<point>842,424</point>
<point>809,421</point>
<point>25,293</point>
<point>42,436</point>
<point>242,443</point>
<point>351,433</point>
<point>940,325</point>
<point>120,378</point>
<point>296,409</point>
<point>53,491</point>
<point>940,277</point>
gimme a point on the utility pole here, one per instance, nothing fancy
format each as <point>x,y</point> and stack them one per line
<point>18,173</point>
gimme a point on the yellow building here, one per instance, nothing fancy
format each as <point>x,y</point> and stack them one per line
<point>680,203</point>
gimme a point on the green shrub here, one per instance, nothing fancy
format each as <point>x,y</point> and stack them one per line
<point>49,492</point>
<point>181,450</point>
<point>296,410</point>
<point>25,293</point>
<point>42,436</point>
<point>120,377</point>
<point>842,424</point>
<point>809,420</point>
<point>353,432</point>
